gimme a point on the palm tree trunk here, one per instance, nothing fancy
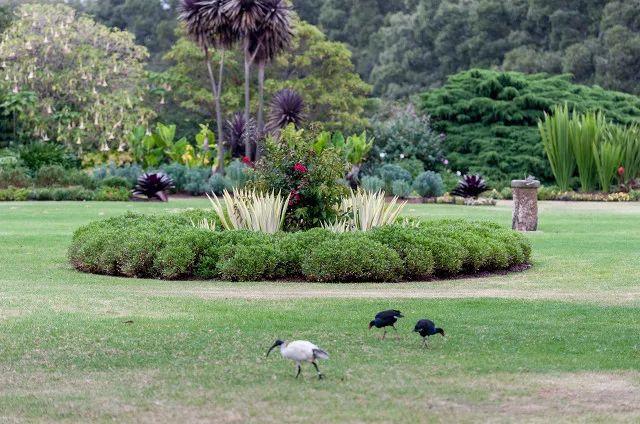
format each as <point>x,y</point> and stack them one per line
<point>215,90</point>
<point>261,67</point>
<point>247,94</point>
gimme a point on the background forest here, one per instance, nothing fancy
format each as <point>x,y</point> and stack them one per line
<point>401,70</point>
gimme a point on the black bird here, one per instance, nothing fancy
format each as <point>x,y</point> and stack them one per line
<point>385,319</point>
<point>426,328</point>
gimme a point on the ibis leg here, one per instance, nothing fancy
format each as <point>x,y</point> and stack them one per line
<point>397,336</point>
<point>299,370</point>
<point>320,376</point>
<point>384,334</point>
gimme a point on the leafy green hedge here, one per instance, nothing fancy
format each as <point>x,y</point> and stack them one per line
<point>170,247</point>
<point>75,193</point>
<point>490,118</point>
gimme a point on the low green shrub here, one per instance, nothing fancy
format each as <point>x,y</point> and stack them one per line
<point>218,183</point>
<point>14,176</point>
<point>401,188</point>
<point>249,262</point>
<point>372,184</point>
<point>71,193</point>
<point>349,258</point>
<point>238,174</point>
<point>112,194</point>
<point>429,184</point>
<point>413,249</point>
<point>171,247</point>
<point>14,194</point>
<point>390,173</point>
<point>196,181</point>
<point>51,176</point>
<point>116,182</point>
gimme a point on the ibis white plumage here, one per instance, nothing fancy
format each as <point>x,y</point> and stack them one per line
<point>300,351</point>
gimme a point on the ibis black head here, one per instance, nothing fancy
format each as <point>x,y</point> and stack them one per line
<point>440,330</point>
<point>275,344</point>
<point>371,324</point>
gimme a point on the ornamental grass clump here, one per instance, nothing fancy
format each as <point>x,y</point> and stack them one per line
<point>607,157</point>
<point>364,210</point>
<point>555,131</point>
<point>251,210</point>
<point>585,131</point>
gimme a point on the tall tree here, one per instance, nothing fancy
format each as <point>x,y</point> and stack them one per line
<point>88,79</point>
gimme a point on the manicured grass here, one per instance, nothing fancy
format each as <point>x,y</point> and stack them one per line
<point>195,350</point>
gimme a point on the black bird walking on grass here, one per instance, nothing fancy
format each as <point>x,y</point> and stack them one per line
<point>426,328</point>
<point>386,319</point>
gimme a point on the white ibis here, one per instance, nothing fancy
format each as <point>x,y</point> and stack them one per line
<point>386,319</point>
<point>300,351</point>
<point>426,328</point>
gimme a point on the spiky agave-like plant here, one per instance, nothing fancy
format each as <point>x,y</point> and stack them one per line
<point>239,133</point>
<point>154,185</point>
<point>287,107</point>
<point>470,186</point>
<point>209,26</point>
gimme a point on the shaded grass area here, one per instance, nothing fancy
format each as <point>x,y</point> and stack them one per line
<point>66,353</point>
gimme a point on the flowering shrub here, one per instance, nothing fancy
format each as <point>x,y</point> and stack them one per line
<point>291,166</point>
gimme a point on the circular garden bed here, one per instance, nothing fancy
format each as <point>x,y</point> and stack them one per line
<point>171,247</point>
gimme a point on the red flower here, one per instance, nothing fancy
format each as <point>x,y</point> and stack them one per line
<point>298,167</point>
<point>621,171</point>
<point>247,161</point>
<point>294,197</point>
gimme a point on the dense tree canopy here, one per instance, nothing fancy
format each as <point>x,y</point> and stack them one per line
<point>490,118</point>
<point>401,47</point>
<point>83,80</point>
<point>319,69</point>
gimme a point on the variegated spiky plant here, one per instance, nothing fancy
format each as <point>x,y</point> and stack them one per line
<point>364,210</point>
<point>251,210</point>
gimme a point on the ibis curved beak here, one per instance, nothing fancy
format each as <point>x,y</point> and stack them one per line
<point>271,348</point>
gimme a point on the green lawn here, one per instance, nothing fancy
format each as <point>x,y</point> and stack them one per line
<point>558,342</point>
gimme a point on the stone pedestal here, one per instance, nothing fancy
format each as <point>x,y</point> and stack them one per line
<point>525,204</point>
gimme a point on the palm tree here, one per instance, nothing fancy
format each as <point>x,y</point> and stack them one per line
<point>273,37</point>
<point>246,18</point>
<point>208,25</point>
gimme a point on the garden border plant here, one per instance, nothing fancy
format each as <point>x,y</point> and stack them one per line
<point>172,246</point>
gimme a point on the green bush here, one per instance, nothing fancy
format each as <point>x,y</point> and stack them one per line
<point>238,174</point>
<point>429,184</point>
<point>51,176</point>
<point>292,165</point>
<point>401,188</point>
<point>177,172</point>
<point>413,249</point>
<point>196,181</point>
<point>14,194</point>
<point>38,154</point>
<point>403,135</point>
<point>352,258</point>
<point>14,177</point>
<point>390,173</point>
<point>116,182</point>
<point>130,172</point>
<point>170,247</point>
<point>71,193</point>
<point>413,166</point>
<point>218,183</point>
<point>249,262</point>
<point>372,184</point>
<point>112,194</point>
<point>494,131</point>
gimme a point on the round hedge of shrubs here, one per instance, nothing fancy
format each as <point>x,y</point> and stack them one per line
<point>170,247</point>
